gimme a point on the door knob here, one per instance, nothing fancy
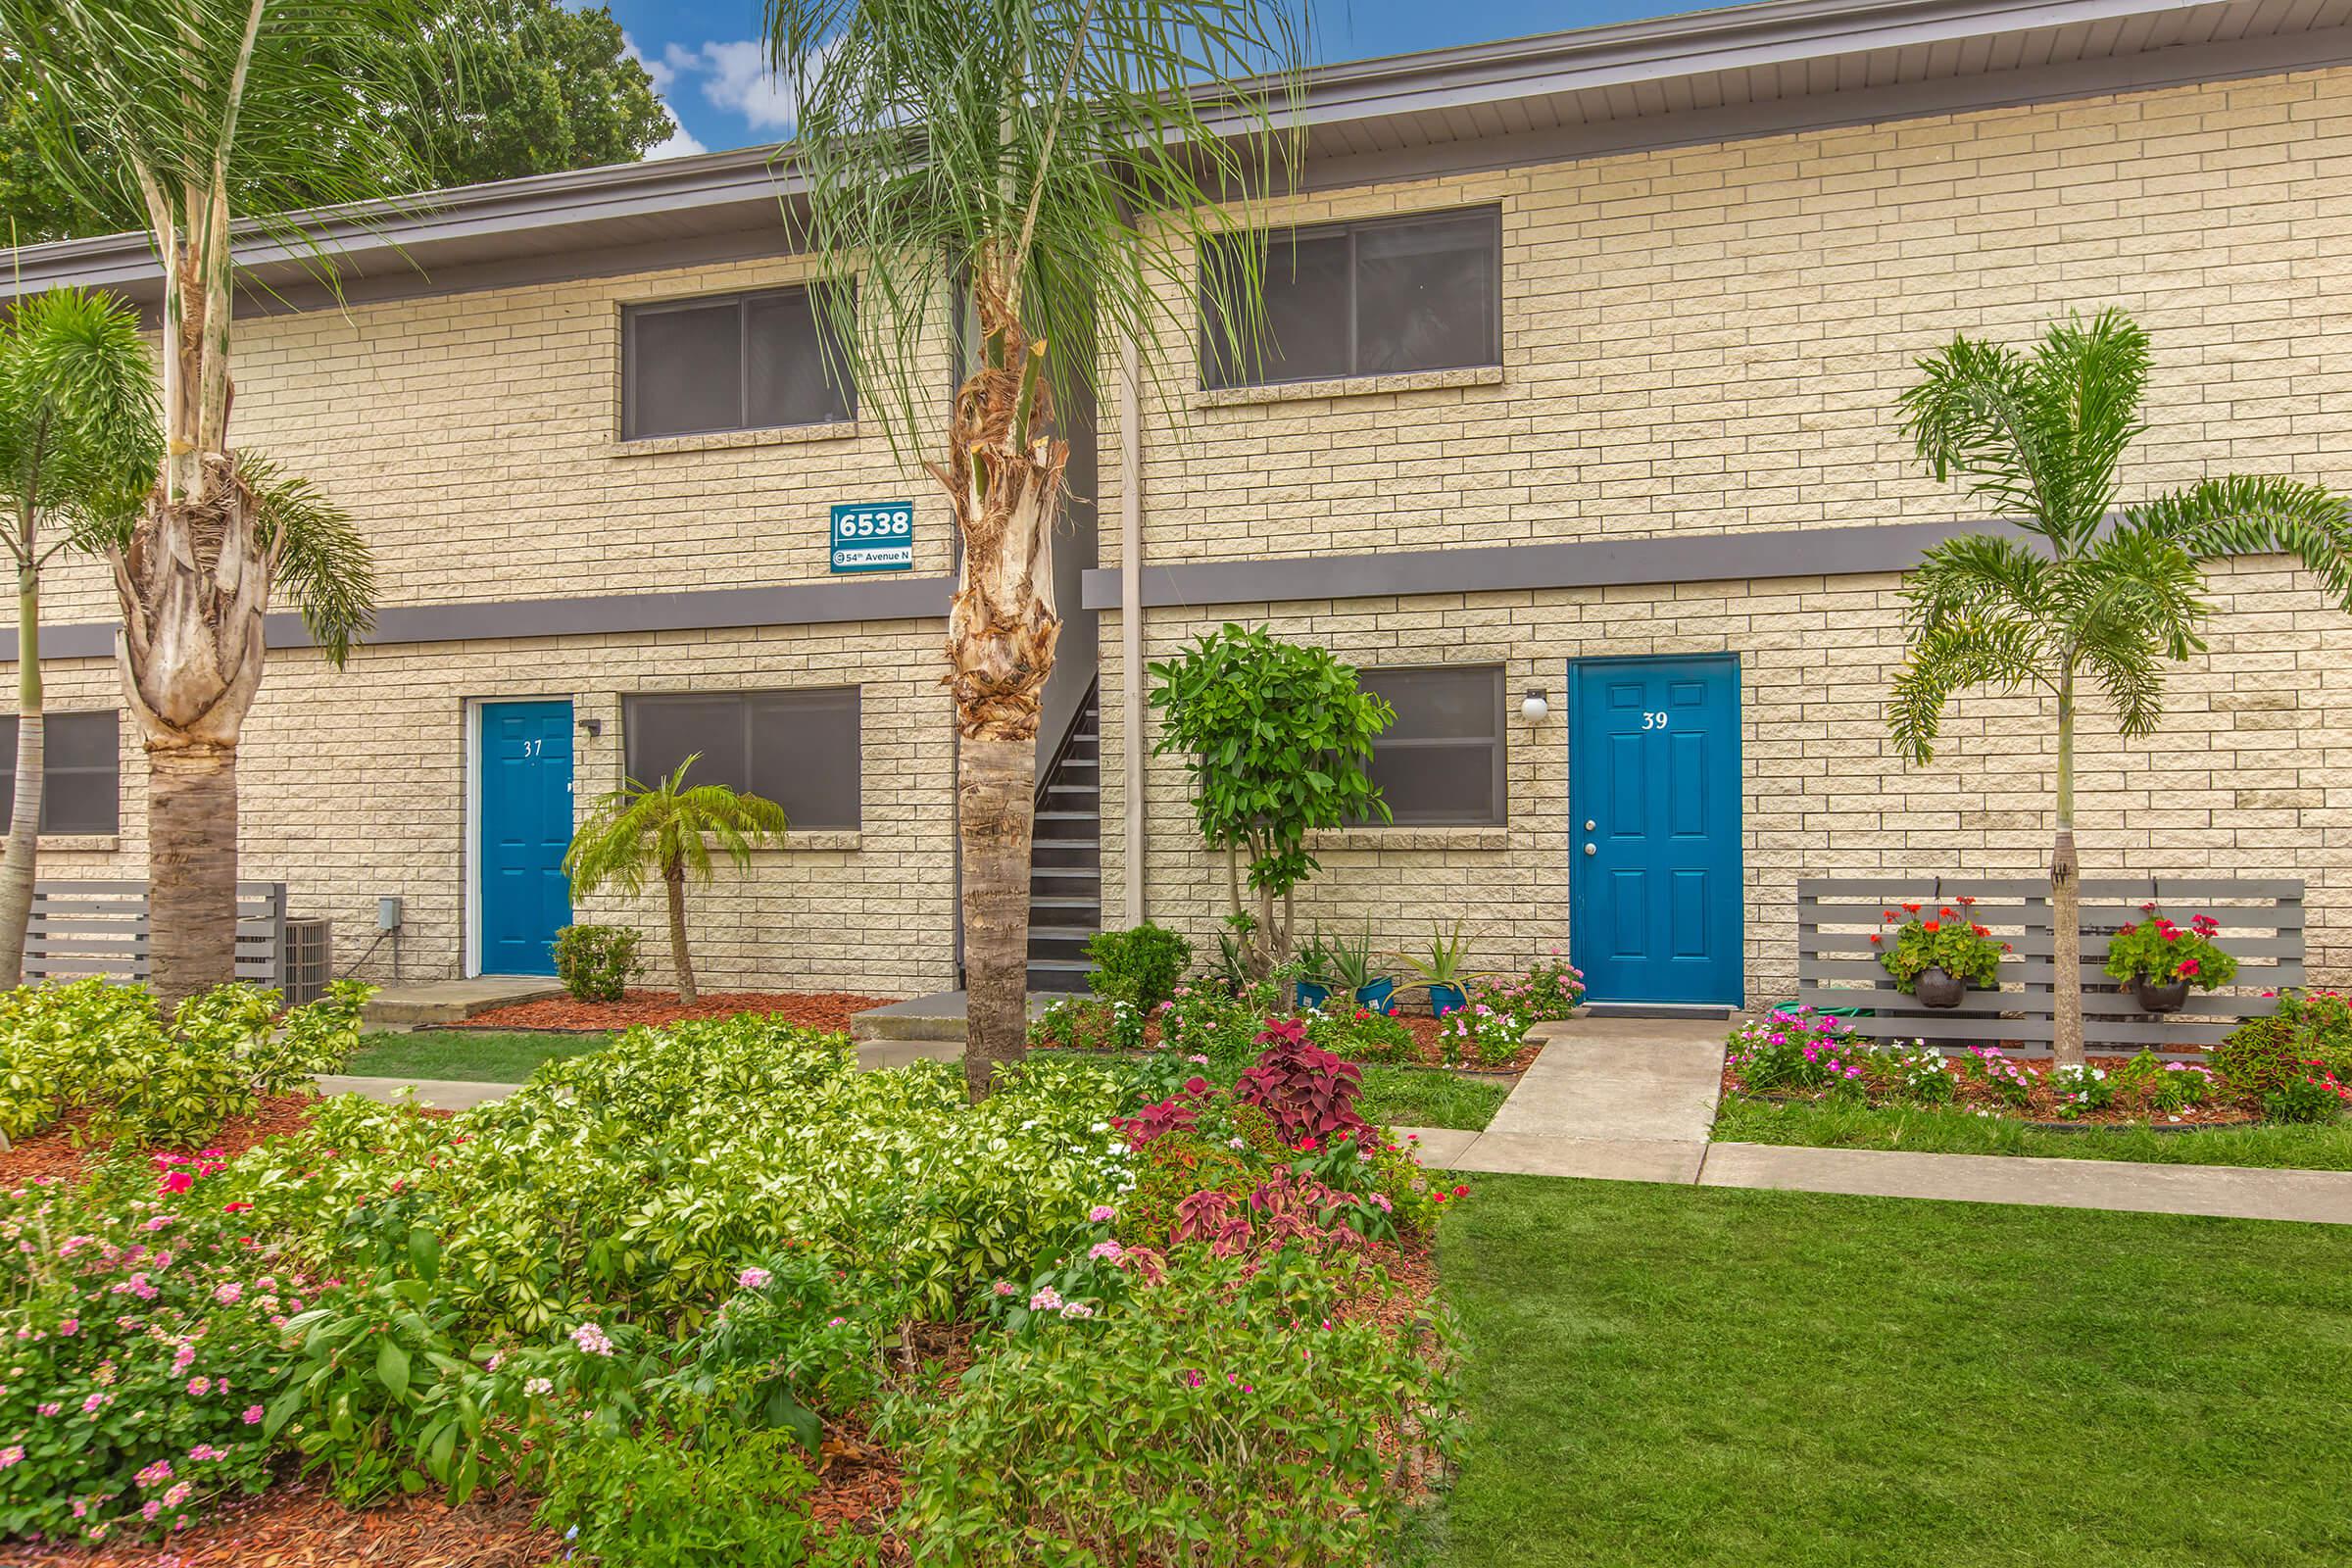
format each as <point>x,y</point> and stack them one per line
<point>1589,825</point>
<point>1590,849</point>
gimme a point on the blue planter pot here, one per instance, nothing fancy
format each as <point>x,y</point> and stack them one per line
<point>1445,998</point>
<point>1312,995</point>
<point>1380,996</point>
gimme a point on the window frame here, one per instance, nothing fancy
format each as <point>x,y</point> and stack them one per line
<point>1353,229</point>
<point>53,774</point>
<point>1499,745</point>
<point>741,299</point>
<point>743,699</point>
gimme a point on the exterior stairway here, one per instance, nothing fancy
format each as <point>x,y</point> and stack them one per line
<point>1065,862</point>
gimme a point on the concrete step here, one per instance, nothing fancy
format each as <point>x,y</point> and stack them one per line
<point>430,1002</point>
<point>935,1017</point>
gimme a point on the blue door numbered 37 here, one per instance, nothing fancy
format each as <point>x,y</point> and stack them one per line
<point>524,827</point>
<point>873,536</point>
<point>1654,788</point>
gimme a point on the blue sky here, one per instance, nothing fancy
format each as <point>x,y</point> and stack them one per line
<point>705,58</point>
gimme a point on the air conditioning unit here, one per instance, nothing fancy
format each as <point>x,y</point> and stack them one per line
<point>310,959</point>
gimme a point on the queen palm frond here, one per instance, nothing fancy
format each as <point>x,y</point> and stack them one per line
<point>321,560</point>
<point>2005,652</point>
<point>2244,515</point>
<point>1976,575</point>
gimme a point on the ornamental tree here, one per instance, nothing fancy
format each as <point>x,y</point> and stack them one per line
<point>2079,594</point>
<point>1275,736</point>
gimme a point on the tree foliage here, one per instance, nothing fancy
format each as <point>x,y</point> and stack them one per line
<point>502,88</point>
<point>1275,736</point>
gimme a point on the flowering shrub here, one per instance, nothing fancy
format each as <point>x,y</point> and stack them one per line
<point>145,1340</point>
<point>2315,1094</point>
<point>1795,1049</point>
<point>1549,991</point>
<point>2080,1088</point>
<point>1229,1408</point>
<point>1360,1034</point>
<point>2159,952</point>
<point>1916,1071</point>
<point>1986,1065</point>
<point>1482,1034</point>
<point>1949,940</point>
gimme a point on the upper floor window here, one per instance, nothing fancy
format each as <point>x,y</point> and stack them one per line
<point>1371,298</point>
<point>737,362</point>
<point>80,773</point>
<point>1441,765</point>
<point>800,748</point>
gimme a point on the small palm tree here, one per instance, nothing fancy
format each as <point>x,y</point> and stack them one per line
<point>77,449</point>
<point>670,829</point>
<point>2088,595</point>
<point>1019,177</point>
<point>215,119</point>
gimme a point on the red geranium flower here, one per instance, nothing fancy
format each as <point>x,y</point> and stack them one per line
<point>1932,925</point>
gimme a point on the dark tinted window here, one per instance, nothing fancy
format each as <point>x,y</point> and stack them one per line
<point>798,749</point>
<point>1442,763</point>
<point>81,775</point>
<point>748,362</point>
<point>1360,299</point>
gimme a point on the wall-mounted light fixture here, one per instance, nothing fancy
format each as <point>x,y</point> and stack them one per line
<point>592,727</point>
<point>1533,705</point>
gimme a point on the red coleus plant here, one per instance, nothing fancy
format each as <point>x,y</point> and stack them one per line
<point>1176,1113</point>
<point>1309,1093</point>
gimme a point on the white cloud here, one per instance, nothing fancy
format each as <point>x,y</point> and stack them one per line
<point>681,144</point>
<point>735,78</point>
<point>660,71</point>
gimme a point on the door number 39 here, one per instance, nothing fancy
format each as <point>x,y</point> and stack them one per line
<point>1653,721</point>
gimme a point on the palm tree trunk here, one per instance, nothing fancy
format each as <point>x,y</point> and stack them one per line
<point>995,784</point>
<point>191,869</point>
<point>18,861</point>
<point>2066,897</point>
<point>673,882</point>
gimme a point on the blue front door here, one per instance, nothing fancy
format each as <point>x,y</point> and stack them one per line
<point>1653,786</point>
<point>524,826</point>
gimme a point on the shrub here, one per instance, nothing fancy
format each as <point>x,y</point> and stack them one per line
<point>1549,991</point>
<point>1115,1438</point>
<point>714,1497</point>
<point>1309,1091</point>
<point>2258,1056</point>
<point>1360,1034</point>
<point>145,1343</point>
<point>1800,1050</point>
<point>2081,1089</point>
<point>2161,952</point>
<point>1138,966</point>
<point>597,962</point>
<point>2311,1095</point>
<point>1916,1071</point>
<point>1996,1072</point>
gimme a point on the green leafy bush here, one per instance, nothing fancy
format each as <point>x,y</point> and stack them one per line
<point>95,1044</point>
<point>1361,1035</point>
<point>1138,966</point>
<point>1232,1414</point>
<point>144,1344</point>
<point>2311,1094</point>
<point>597,962</point>
<point>1482,1034</point>
<point>711,1497</point>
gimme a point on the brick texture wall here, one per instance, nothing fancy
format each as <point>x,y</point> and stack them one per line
<point>1711,339</point>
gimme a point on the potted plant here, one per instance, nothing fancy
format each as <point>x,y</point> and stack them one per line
<point>2161,961</point>
<point>1937,956</point>
<point>1440,972</point>
<point>1315,961</point>
<point>1355,969</point>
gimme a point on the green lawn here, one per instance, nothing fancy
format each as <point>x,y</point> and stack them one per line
<point>1691,1377</point>
<point>1428,1097</point>
<point>482,1057</point>
<point>1927,1130</point>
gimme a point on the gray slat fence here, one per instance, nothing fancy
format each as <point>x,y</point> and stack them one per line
<point>2261,926</point>
<point>100,928</point>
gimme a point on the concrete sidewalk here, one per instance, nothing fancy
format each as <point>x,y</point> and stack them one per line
<point>1633,1099</point>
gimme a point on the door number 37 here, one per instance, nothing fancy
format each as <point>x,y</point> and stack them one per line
<point>1653,721</point>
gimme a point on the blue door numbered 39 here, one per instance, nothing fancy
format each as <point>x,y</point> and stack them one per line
<point>524,827</point>
<point>1654,788</point>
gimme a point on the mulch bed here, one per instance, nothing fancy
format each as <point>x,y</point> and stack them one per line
<point>2042,1108</point>
<point>298,1525</point>
<point>829,1011</point>
<point>56,1150</point>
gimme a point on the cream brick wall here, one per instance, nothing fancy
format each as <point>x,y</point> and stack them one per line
<point>354,785</point>
<point>2246,778</point>
<point>1708,338</point>
<point>1711,339</point>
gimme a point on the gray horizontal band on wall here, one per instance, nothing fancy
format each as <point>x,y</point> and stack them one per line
<point>806,603</point>
<point>1593,563</point>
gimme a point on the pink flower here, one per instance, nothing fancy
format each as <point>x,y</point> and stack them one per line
<point>754,1279</point>
<point>13,1454</point>
<point>253,1416</point>
<point>177,1495</point>
<point>69,1327</point>
<point>1047,1299</point>
<point>227,1294</point>
<point>590,1338</point>
<point>158,1472</point>
<point>1101,1215</point>
<point>47,1409</point>
<point>1111,1250</point>
<point>200,1386</point>
<point>1007,1288</point>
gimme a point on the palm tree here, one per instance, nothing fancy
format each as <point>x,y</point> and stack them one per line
<point>276,104</point>
<point>2087,596</point>
<point>670,829</point>
<point>77,448</point>
<point>1039,174</point>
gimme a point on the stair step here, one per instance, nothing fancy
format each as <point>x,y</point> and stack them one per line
<point>1062,903</point>
<point>1057,975</point>
<point>1061,933</point>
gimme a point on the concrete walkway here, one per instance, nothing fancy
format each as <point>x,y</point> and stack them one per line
<point>1633,1099</point>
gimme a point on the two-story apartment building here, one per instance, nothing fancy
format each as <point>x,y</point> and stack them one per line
<point>1577,438</point>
